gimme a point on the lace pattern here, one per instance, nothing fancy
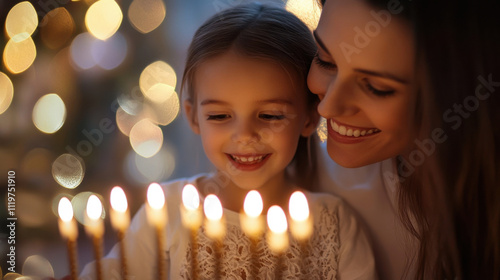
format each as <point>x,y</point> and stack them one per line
<point>318,257</point>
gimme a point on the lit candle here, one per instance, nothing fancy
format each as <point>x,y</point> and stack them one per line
<point>69,231</point>
<point>252,224</point>
<point>277,236</point>
<point>157,216</point>
<point>191,218</point>
<point>95,229</point>
<point>120,220</point>
<point>301,224</point>
<point>214,226</point>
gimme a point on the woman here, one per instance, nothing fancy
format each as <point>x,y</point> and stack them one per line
<point>409,90</point>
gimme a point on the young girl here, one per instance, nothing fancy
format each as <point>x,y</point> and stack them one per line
<point>247,98</point>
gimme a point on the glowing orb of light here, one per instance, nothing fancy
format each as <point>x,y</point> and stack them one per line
<point>103,19</point>
<point>6,92</point>
<point>19,55</point>
<point>146,138</point>
<point>21,21</point>
<point>146,15</point>
<point>49,113</point>
<point>68,171</point>
<point>57,27</point>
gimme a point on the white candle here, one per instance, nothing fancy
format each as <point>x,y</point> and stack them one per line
<point>95,229</point>
<point>190,210</point>
<point>67,225</point>
<point>157,216</point>
<point>214,224</point>
<point>69,231</point>
<point>119,214</point>
<point>215,228</point>
<point>191,219</point>
<point>120,220</point>
<point>277,236</point>
<point>93,222</point>
<point>301,225</point>
<point>155,208</point>
<point>252,223</point>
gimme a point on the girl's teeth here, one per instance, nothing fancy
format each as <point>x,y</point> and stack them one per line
<point>342,130</point>
<point>250,160</point>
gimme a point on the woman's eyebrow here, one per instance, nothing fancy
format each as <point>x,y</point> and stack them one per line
<point>382,75</point>
<point>320,42</point>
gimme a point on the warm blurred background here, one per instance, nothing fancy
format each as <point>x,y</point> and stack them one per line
<point>89,99</point>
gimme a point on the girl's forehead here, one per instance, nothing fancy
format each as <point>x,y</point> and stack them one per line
<point>232,75</point>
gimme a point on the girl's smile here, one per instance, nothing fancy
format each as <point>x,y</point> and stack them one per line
<point>248,162</point>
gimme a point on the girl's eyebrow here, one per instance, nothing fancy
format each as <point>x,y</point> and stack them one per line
<point>213,101</point>
<point>267,101</point>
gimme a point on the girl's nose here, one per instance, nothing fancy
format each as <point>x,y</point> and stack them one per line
<point>245,133</point>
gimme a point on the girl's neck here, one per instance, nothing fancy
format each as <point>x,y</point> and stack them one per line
<point>274,192</point>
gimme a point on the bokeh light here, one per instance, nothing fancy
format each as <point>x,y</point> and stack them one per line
<point>68,171</point>
<point>322,130</point>
<point>144,170</point>
<point>81,51</point>
<point>38,267</point>
<point>49,113</point>
<point>158,72</point>
<point>146,15</point>
<point>165,112</point>
<point>6,92</point>
<point>146,138</point>
<point>12,276</point>
<point>79,203</point>
<point>308,11</point>
<point>109,54</point>
<point>103,19</point>
<point>57,27</point>
<point>19,55</point>
<point>126,121</point>
<point>21,21</point>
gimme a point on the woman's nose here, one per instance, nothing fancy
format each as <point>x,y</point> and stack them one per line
<point>338,99</point>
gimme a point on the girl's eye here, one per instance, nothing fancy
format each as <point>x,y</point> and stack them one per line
<point>218,117</point>
<point>323,64</point>
<point>271,117</point>
<point>376,91</point>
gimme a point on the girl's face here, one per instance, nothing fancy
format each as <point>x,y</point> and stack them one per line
<point>250,116</point>
<point>363,74</point>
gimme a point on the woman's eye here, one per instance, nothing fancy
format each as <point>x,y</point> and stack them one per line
<point>323,64</point>
<point>271,117</point>
<point>376,91</point>
<point>218,117</point>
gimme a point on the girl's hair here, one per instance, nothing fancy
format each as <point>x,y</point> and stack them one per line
<point>265,32</point>
<point>454,195</point>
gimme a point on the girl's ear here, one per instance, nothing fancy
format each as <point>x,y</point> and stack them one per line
<point>191,116</point>
<point>311,123</point>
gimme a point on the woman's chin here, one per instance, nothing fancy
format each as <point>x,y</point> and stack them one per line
<point>348,160</point>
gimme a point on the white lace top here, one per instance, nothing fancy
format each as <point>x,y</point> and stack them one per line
<point>338,248</point>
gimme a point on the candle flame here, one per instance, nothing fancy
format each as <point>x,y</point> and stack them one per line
<point>156,197</point>
<point>276,219</point>
<point>65,209</point>
<point>253,204</point>
<point>212,208</point>
<point>298,206</point>
<point>118,200</point>
<point>94,207</point>
<point>190,197</point>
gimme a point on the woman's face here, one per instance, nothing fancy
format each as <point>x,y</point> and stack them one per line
<point>363,74</point>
